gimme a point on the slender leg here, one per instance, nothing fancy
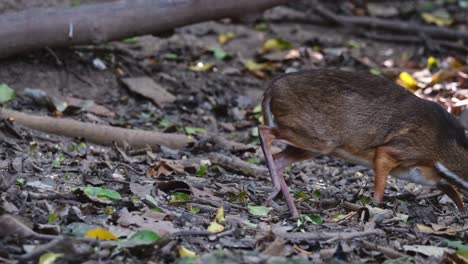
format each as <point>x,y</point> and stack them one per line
<point>277,163</point>
<point>384,163</point>
<point>453,194</point>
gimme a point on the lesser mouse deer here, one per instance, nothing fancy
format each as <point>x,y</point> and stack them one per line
<point>366,120</point>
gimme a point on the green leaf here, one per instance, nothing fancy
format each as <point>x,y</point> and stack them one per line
<point>220,54</point>
<point>302,196</point>
<point>462,249</point>
<point>262,26</point>
<point>171,56</point>
<point>317,219</point>
<point>75,3</point>
<point>194,210</point>
<point>57,162</point>
<point>249,224</point>
<point>165,123</point>
<point>253,160</point>
<point>316,194</point>
<point>259,210</point>
<point>376,71</point>
<point>6,93</point>
<point>98,192</point>
<point>20,181</point>
<point>202,171</point>
<point>141,238</point>
<point>151,200</point>
<point>49,258</point>
<point>276,44</point>
<point>52,218</point>
<point>131,40</point>
<point>194,130</point>
<point>179,197</point>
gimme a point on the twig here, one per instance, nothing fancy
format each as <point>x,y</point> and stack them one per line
<point>185,233</point>
<point>94,133</point>
<point>222,143</point>
<point>328,235</point>
<point>392,25</point>
<point>388,252</point>
<point>236,164</point>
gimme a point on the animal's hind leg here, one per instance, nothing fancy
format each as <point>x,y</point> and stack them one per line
<point>288,156</point>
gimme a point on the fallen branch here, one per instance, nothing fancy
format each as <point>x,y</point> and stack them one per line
<point>387,251</point>
<point>94,133</point>
<point>236,164</point>
<point>392,25</point>
<point>326,235</point>
<point>99,23</point>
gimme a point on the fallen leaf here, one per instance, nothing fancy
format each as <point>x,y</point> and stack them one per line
<point>49,258</point>
<point>276,44</point>
<point>6,93</point>
<point>220,54</point>
<point>143,237</point>
<point>225,37</point>
<point>194,130</point>
<point>184,252</point>
<point>407,81</point>
<point>219,215</point>
<point>215,227</point>
<point>102,195</point>
<point>439,17</point>
<point>165,168</point>
<point>262,26</point>
<point>101,234</point>
<point>451,231</point>
<point>148,88</point>
<point>432,251</point>
<point>201,67</point>
<point>259,210</point>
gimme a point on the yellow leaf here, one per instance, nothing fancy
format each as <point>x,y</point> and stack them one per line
<point>184,252</point>
<point>254,66</point>
<point>49,258</point>
<point>215,227</point>
<point>225,37</point>
<point>101,234</point>
<point>276,44</point>
<point>220,215</point>
<point>201,67</point>
<point>440,18</point>
<point>407,81</point>
<point>432,63</point>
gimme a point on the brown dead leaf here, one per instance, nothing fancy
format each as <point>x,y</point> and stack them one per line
<point>276,248</point>
<point>164,167</point>
<point>437,229</point>
<point>89,106</point>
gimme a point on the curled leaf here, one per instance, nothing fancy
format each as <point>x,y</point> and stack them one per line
<point>184,252</point>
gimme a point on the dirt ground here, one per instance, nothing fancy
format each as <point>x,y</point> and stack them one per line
<point>44,175</point>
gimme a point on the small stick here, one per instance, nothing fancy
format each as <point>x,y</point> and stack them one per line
<point>328,235</point>
<point>236,164</point>
<point>388,252</point>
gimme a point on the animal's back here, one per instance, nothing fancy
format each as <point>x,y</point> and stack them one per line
<point>334,108</point>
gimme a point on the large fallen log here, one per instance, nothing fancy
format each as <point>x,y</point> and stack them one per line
<point>98,23</point>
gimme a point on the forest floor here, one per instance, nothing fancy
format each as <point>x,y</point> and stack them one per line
<point>217,72</point>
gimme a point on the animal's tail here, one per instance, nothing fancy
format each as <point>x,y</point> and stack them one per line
<point>267,116</point>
